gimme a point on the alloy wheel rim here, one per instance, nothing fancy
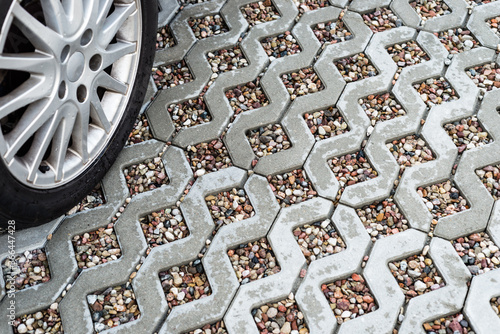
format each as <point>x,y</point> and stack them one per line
<point>79,69</point>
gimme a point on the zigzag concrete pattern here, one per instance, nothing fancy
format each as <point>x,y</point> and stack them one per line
<point>287,217</point>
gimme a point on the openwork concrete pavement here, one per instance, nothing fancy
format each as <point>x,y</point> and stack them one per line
<point>383,200</point>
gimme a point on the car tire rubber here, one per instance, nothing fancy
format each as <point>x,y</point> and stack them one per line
<point>30,207</point>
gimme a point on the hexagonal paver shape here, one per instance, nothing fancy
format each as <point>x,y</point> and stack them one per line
<point>356,67</point>
<point>43,321</point>
<point>113,307</point>
<point>163,226</point>
<point>168,76</point>
<point>318,240</point>
<point>148,175</point>
<point>253,261</point>
<point>349,298</point>
<point>247,97</point>
<point>96,247</point>
<point>229,206</point>
<point>268,140</point>
<point>327,123</point>
<point>467,133</point>
<point>24,270</point>
<point>436,91</point>
<point>302,82</point>
<point>416,275</point>
<point>443,199</point>
<point>382,19</point>
<point>208,25</point>
<point>268,317</point>
<point>260,12</point>
<point>382,218</point>
<point>490,177</point>
<point>478,252</point>
<point>292,187</point>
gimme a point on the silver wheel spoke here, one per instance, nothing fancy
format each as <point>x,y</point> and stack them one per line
<point>61,140</point>
<point>30,91</point>
<point>30,122</point>
<point>54,15</point>
<point>41,143</point>
<point>102,9</point>
<point>104,80</point>
<point>26,62</point>
<point>80,133</point>
<point>114,22</point>
<point>74,10</point>
<point>42,37</point>
<point>116,51</point>
<point>98,114</point>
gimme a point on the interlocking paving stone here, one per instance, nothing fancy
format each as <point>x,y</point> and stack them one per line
<point>194,231</point>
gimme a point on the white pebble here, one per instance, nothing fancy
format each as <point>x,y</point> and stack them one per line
<point>420,286</point>
<point>22,328</point>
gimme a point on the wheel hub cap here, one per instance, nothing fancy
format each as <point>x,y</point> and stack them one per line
<point>76,65</point>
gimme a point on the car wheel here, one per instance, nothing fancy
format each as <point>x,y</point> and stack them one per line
<point>73,75</point>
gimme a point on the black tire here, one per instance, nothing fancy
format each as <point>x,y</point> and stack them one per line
<point>30,207</point>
